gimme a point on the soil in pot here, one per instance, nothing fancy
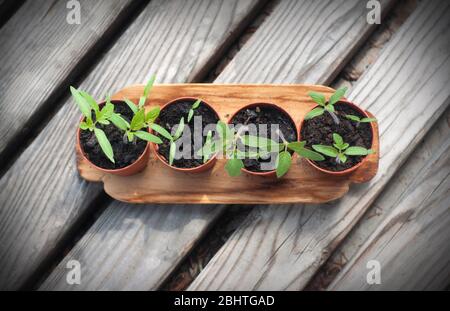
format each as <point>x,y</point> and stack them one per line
<point>319,131</point>
<point>171,115</point>
<point>270,115</point>
<point>125,152</point>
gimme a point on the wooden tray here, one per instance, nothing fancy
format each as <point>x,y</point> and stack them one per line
<point>159,184</point>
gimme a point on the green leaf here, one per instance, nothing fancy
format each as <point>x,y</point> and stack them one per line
<point>209,147</point>
<point>160,130</point>
<point>104,122</point>
<point>258,142</point>
<point>356,151</point>
<point>130,136</point>
<point>106,112</point>
<point>353,118</point>
<point>297,146</point>
<point>234,166</point>
<point>224,131</point>
<point>247,154</point>
<point>119,122</point>
<point>149,86</point>
<point>104,144</point>
<point>141,102</point>
<point>326,150</point>
<point>84,126</point>
<point>283,163</point>
<point>91,101</point>
<point>330,108</point>
<point>318,98</point>
<point>81,102</point>
<point>309,154</point>
<point>368,120</point>
<point>132,105</point>
<point>342,157</point>
<point>172,151</point>
<point>314,113</point>
<point>138,120</point>
<point>337,95</point>
<point>179,130</point>
<point>191,114</point>
<point>196,104</point>
<point>148,137</point>
<point>152,115</point>
<point>338,139</point>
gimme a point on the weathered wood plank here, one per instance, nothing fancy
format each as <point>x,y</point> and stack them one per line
<point>410,234</point>
<point>349,10</point>
<point>41,52</point>
<point>281,247</point>
<point>42,195</point>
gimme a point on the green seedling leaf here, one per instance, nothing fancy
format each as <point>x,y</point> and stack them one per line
<point>172,151</point>
<point>138,120</point>
<point>318,98</point>
<point>353,118</point>
<point>91,101</point>
<point>162,131</point>
<point>315,113</point>
<point>297,146</point>
<point>338,139</point>
<point>337,95</point>
<point>130,136</point>
<point>196,104</point>
<point>148,137</point>
<point>82,103</point>
<point>179,130</point>
<point>119,122</point>
<point>368,120</point>
<point>311,155</point>
<point>283,163</point>
<point>330,108</point>
<point>149,86</point>
<point>234,166</point>
<point>84,126</point>
<point>152,115</point>
<point>326,150</point>
<point>104,144</point>
<point>342,157</point>
<point>190,115</point>
<point>356,151</point>
<point>247,154</point>
<point>132,105</point>
<point>259,142</point>
<point>142,102</point>
<point>104,122</point>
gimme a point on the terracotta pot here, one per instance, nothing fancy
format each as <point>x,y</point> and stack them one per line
<point>134,168</point>
<point>353,168</point>
<point>194,170</point>
<point>267,174</point>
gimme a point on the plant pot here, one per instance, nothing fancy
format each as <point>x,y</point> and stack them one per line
<point>269,113</point>
<point>135,167</point>
<point>169,113</point>
<point>368,139</point>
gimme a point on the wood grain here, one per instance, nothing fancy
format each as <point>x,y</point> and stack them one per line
<point>41,195</point>
<point>408,232</point>
<point>330,29</point>
<point>40,52</point>
<point>281,247</point>
<point>302,184</point>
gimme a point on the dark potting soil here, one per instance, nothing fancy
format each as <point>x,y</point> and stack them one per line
<point>319,131</point>
<point>170,116</point>
<point>125,152</point>
<point>270,115</point>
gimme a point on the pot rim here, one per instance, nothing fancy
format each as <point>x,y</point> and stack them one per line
<point>155,147</point>
<point>355,167</point>
<point>104,170</point>
<point>271,173</point>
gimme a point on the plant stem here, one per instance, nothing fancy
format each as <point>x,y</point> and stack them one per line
<point>334,116</point>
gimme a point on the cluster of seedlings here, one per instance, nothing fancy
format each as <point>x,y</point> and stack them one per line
<point>115,135</point>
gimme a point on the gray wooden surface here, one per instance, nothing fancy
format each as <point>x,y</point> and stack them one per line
<point>42,195</point>
<point>281,247</point>
<point>409,236</point>
<point>90,249</point>
<point>40,51</point>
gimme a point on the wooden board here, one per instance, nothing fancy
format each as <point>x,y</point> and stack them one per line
<point>143,251</point>
<point>34,222</point>
<point>407,229</point>
<point>42,54</point>
<point>159,184</point>
<point>407,88</point>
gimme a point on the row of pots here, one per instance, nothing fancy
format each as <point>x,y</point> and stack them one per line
<point>142,161</point>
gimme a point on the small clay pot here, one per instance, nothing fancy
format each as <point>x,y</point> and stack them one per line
<point>265,174</point>
<point>134,168</point>
<point>353,168</point>
<point>193,170</point>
